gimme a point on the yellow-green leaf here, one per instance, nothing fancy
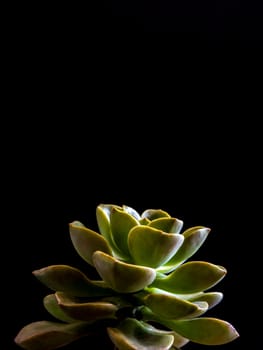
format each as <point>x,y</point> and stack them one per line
<point>69,280</point>
<point>46,335</point>
<point>90,311</point>
<point>135,335</point>
<point>205,330</point>
<point>194,237</point>
<point>212,298</point>
<point>121,224</point>
<point>191,277</point>
<point>86,242</point>
<point>166,224</point>
<point>120,276</point>
<point>169,306</point>
<point>51,304</point>
<point>153,214</point>
<point>103,213</point>
<point>151,247</point>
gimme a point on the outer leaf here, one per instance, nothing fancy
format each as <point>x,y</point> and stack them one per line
<point>51,305</point>
<point>191,277</point>
<point>86,241</point>
<point>153,214</point>
<point>85,311</point>
<point>135,335</point>
<point>193,239</point>
<point>120,276</point>
<point>206,330</point>
<point>70,280</point>
<point>151,247</point>
<point>121,224</point>
<point>45,335</point>
<point>169,225</point>
<point>179,341</point>
<point>169,306</point>
<point>212,298</point>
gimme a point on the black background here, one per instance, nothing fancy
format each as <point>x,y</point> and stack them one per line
<point>220,24</point>
<point>94,115</point>
<point>215,23</point>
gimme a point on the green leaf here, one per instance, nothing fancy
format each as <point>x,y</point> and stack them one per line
<point>169,306</point>
<point>69,280</point>
<point>103,213</point>
<point>193,239</point>
<point>151,247</point>
<point>179,341</point>
<point>132,212</point>
<point>205,330</point>
<point>169,225</point>
<point>135,335</point>
<point>45,335</point>
<point>212,298</point>
<point>121,224</point>
<point>120,276</point>
<point>86,241</point>
<point>85,311</point>
<point>51,305</point>
<point>191,277</point>
<point>153,214</point>
<point>103,220</point>
<point>144,221</point>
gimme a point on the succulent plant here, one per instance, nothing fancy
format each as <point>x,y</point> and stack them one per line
<point>146,295</point>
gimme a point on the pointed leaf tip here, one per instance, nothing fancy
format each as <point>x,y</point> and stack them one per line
<point>69,280</point>
<point>191,277</point>
<point>168,306</point>
<point>46,335</point>
<point>205,330</point>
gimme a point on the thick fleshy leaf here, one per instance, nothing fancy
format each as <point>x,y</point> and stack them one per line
<point>169,225</point>
<point>191,277</point>
<point>193,239</point>
<point>85,311</point>
<point>51,305</point>
<point>103,220</point>
<point>86,241</point>
<point>132,212</point>
<point>205,330</point>
<point>70,280</point>
<point>211,298</point>
<point>103,212</point>
<point>153,214</point>
<point>118,300</point>
<point>179,341</point>
<point>120,276</point>
<point>151,247</point>
<point>135,335</point>
<point>45,335</point>
<point>121,224</point>
<point>144,221</point>
<point>169,306</point>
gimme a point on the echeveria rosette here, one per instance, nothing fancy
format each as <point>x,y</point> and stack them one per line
<point>146,296</point>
